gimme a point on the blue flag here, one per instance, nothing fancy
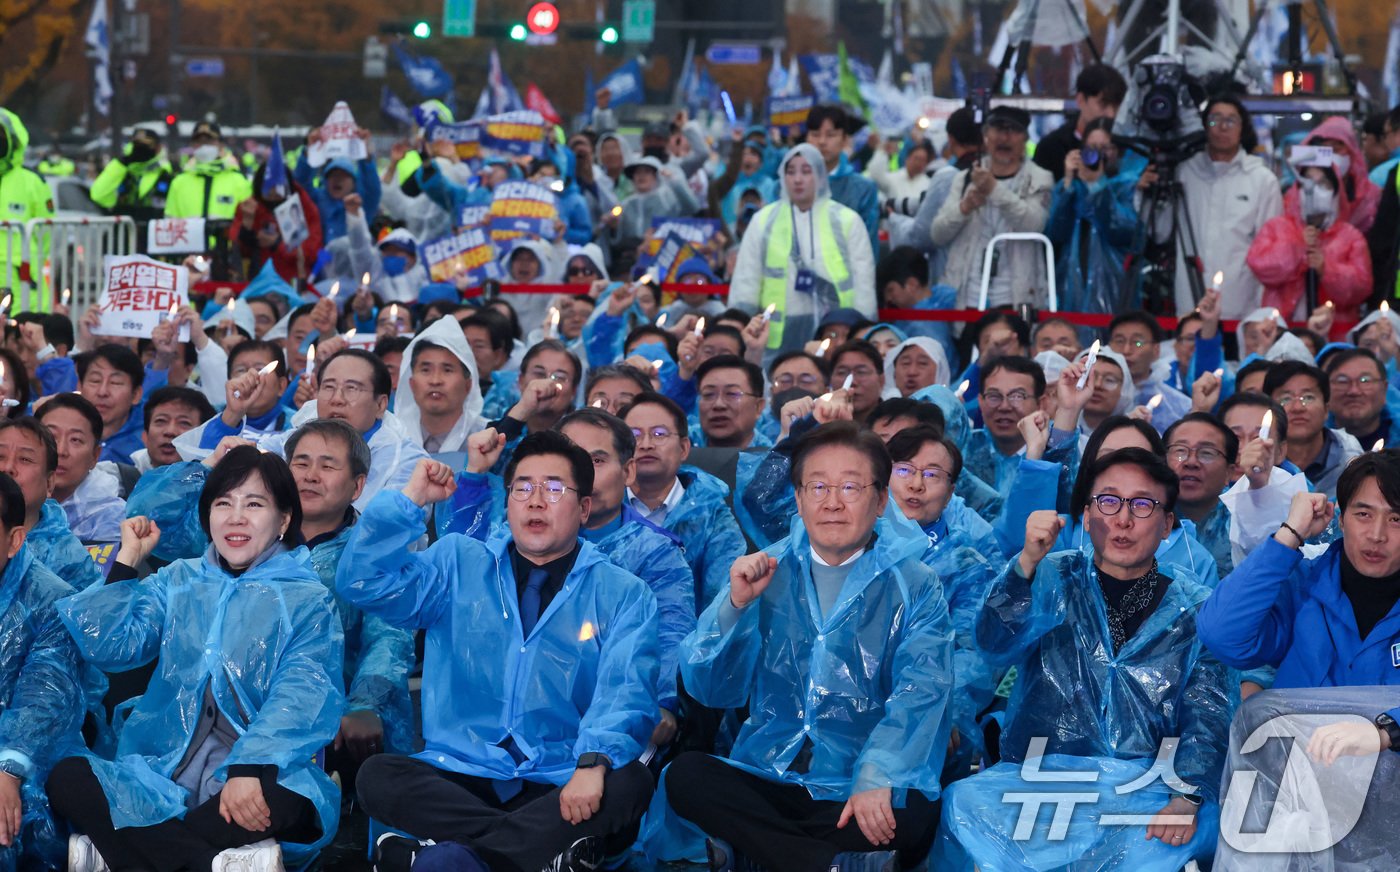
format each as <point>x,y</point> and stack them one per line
<point>503,96</point>
<point>425,74</point>
<point>395,109</point>
<point>625,83</point>
<point>275,185</point>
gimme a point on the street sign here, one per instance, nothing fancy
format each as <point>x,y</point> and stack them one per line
<point>459,17</point>
<point>376,58</point>
<point>733,53</point>
<point>638,20</point>
<point>207,67</point>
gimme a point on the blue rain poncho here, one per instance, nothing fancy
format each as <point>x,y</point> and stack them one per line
<point>583,682</point>
<point>95,509</point>
<point>377,656</point>
<point>477,508</point>
<point>1097,710</point>
<point>53,544</point>
<point>266,644</point>
<point>869,684</point>
<point>708,530</point>
<point>500,397</point>
<point>1094,227</point>
<point>41,702</point>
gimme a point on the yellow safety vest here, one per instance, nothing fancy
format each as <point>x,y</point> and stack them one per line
<point>831,225</point>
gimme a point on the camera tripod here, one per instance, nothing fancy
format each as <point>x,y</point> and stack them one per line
<point>1153,268</point>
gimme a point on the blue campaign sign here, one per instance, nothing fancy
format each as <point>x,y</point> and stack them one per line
<point>733,53</point>
<point>204,67</point>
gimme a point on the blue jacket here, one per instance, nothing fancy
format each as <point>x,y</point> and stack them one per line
<point>710,533</point>
<point>583,682</point>
<point>1277,609</point>
<point>855,191</point>
<point>1101,224</point>
<point>267,646</point>
<point>127,441</point>
<point>366,175</point>
<point>866,688</point>
<point>41,702</point>
<point>57,375</point>
<point>53,544</point>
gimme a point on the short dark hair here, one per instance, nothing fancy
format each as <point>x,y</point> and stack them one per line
<point>726,330</point>
<point>907,443</point>
<point>58,329</point>
<point>1154,465</point>
<point>1256,400</point>
<point>240,464</point>
<point>1102,81</point>
<point>616,370</point>
<point>553,345</point>
<point>298,313</point>
<point>822,364</point>
<point>652,398</point>
<point>837,115</point>
<point>1231,441</point>
<point>251,345</point>
<point>624,443</point>
<point>733,314</point>
<point>730,361</point>
<point>1316,341</point>
<point>1347,355</point>
<point>1249,138</point>
<point>962,127</point>
<point>644,330</point>
<point>330,429</point>
<point>1020,366</point>
<point>119,357</point>
<point>1383,466</point>
<point>391,344</point>
<point>381,380</point>
<point>1392,118</point>
<point>429,345</point>
<point>551,442</point>
<point>512,317</point>
<point>78,403</point>
<point>496,325</point>
<point>186,350</point>
<point>926,414</point>
<point>1259,365</point>
<point>1079,494</point>
<point>35,427</point>
<point>861,347</point>
<point>1184,321</point>
<point>1284,370</point>
<point>1374,124</point>
<point>12,509</point>
<point>847,434</point>
<point>1137,316</point>
<point>183,396</point>
<point>900,265</point>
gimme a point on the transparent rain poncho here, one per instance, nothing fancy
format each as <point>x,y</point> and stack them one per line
<point>709,531</point>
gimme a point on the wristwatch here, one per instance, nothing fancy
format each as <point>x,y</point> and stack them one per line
<point>16,769</point>
<point>1386,724</point>
<point>591,760</point>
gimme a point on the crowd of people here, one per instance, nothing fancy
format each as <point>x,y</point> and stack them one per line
<point>748,578</point>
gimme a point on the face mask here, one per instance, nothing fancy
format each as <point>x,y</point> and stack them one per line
<point>394,264</point>
<point>1317,202</point>
<point>206,154</point>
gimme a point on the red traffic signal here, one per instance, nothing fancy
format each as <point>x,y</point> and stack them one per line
<point>543,18</point>
<point>171,119</point>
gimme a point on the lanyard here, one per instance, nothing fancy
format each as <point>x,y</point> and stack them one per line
<point>811,235</point>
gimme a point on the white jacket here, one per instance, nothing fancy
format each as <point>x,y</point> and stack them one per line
<point>896,184</point>
<point>446,333</point>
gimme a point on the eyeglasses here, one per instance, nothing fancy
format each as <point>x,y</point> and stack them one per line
<point>558,375</point>
<point>604,402</point>
<point>1107,382</point>
<point>1343,382</point>
<point>931,474</point>
<point>860,372</point>
<point>552,491</point>
<point>1224,122</point>
<point>733,396</point>
<point>352,392</point>
<point>1138,507</point>
<point>849,491</point>
<point>1304,400</point>
<point>1205,454</point>
<point>1123,343</point>
<point>1015,399</point>
<point>787,382</point>
<point>581,271</point>
<point>659,435</point>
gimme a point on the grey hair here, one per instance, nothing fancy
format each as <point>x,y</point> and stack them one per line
<point>333,428</point>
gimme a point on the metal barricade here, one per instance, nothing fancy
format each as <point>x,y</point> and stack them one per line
<point>14,252</point>
<point>72,250</point>
<point>1051,299</point>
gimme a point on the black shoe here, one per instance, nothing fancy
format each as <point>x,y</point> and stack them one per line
<point>864,861</point>
<point>585,855</point>
<point>396,853</point>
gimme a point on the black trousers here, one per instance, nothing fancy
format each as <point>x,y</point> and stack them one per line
<point>525,833</point>
<point>780,826</point>
<point>190,843</point>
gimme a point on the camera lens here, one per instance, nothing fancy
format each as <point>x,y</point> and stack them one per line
<point>1091,157</point>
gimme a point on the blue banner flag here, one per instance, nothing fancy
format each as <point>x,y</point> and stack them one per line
<point>425,74</point>
<point>396,110</point>
<point>625,83</point>
<point>275,184</point>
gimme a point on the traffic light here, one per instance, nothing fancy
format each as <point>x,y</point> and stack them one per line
<point>609,35</point>
<point>517,32</point>
<point>171,119</point>
<point>422,29</point>
<point>543,19</point>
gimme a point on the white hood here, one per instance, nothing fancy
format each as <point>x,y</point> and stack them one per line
<point>1371,319</point>
<point>932,347</point>
<point>1126,398</point>
<point>446,333</point>
<point>1263,313</point>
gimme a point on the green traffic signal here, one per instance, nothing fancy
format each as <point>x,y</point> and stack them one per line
<point>517,32</point>
<point>422,29</point>
<point>609,35</point>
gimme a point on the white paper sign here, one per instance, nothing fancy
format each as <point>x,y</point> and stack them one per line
<point>366,341</point>
<point>176,236</point>
<point>291,222</point>
<point>338,138</point>
<point>138,293</point>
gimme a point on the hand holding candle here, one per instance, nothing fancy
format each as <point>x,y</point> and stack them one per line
<point>1088,366</point>
<point>1266,424</point>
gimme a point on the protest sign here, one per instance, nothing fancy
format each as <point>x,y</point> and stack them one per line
<point>789,114</point>
<point>469,251</point>
<point>664,254</point>
<point>338,138</point>
<point>473,216</point>
<point>705,236</point>
<point>521,133</point>
<point>176,236</point>
<point>291,222</point>
<point>138,294</point>
<point>465,136</point>
<point>522,209</point>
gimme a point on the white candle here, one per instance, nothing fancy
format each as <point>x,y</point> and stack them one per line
<point>271,366</point>
<point>1219,279</point>
<point>1380,445</point>
<point>549,332</point>
<point>350,334</point>
<point>768,313</point>
<point>821,349</point>
<point>846,385</point>
<point>1266,424</point>
<point>962,388</point>
<point>67,295</point>
<point>661,320</point>
<point>1088,365</point>
<point>310,360</point>
<point>1154,402</point>
<point>700,326</point>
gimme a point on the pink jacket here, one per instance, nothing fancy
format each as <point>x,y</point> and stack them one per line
<point>1278,258</point>
<point>1365,195</point>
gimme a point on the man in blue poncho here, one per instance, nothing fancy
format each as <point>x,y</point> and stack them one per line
<point>29,455</point>
<point>1114,691</point>
<point>841,644</point>
<point>531,744</point>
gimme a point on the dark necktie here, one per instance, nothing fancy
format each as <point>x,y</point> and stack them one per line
<point>530,600</point>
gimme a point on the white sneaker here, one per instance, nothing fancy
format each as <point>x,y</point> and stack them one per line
<point>264,856</point>
<point>83,856</point>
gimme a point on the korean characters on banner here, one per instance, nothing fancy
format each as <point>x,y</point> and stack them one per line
<point>140,293</point>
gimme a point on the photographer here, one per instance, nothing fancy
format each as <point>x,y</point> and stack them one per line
<point>1098,92</point>
<point>1093,224</point>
